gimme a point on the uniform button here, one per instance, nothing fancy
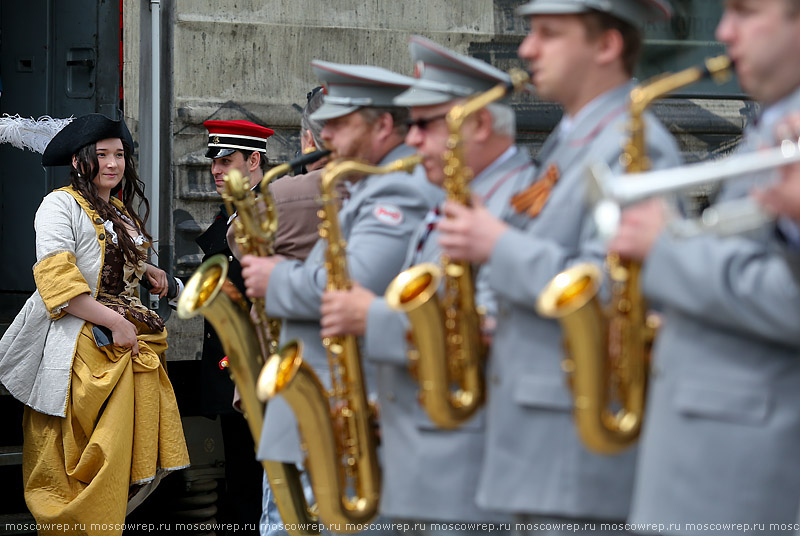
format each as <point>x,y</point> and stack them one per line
<point>230,258</point>
<point>98,221</point>
<point>208,335</point>
<point>101,236</point>
<point>390,397</point>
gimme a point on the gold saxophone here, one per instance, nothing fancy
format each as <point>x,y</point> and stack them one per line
<point>209,293</point>
<point>337,426</point>
<point>448,350</point>
<point>608,352</point>
<point>255,232</point>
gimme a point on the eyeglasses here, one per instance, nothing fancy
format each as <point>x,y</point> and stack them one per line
<point>423,122</point>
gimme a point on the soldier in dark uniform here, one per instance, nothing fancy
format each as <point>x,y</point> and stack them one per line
<point>239,145</point>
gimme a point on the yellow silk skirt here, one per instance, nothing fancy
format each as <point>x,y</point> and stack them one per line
<point>122,426</point>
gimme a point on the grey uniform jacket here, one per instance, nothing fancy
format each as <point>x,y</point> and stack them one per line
<point>377,222</point>
<point>431,473</point>
<point>722,424</point>
<point>534,461</point>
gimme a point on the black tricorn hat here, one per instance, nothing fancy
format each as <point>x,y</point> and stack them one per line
<point>80,132</point>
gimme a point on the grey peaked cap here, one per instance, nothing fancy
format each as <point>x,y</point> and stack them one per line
<point>350,87</point>
<point>444,75</point>
<point>635,12</point>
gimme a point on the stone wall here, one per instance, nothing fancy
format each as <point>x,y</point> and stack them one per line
<point>250,59</point>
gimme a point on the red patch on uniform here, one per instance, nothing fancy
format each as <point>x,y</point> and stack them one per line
<point>388,214</point>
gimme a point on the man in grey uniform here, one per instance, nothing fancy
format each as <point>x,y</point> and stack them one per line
<point>430,474</point>
<point>719,445</point>
<point>581,54</point>
<point>377,221</point>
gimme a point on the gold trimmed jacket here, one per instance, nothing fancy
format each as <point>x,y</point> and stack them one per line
<point>36,351</point>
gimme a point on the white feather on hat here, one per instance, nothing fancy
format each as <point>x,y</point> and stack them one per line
<point>29,133</point>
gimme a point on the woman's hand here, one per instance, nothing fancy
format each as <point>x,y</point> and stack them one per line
<point>158,280</point>
<point>124,333</point>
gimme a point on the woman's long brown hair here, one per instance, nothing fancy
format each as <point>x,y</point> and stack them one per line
<point>132,189</point>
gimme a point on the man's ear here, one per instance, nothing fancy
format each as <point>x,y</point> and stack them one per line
<point>307,141</point>
<point>254,161</point>
<point>610,45</point>
<point>483,122</point>
<point>384,126</point>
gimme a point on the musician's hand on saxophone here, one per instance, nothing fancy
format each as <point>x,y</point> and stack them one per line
<point>469,233</point>
<point>344,312</point>
<point>782,198</point>
<point>256,272</point>
<point>639,227</point>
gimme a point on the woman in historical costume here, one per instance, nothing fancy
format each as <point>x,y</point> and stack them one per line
<point>101,423</point>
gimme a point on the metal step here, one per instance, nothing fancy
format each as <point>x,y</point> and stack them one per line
<point>11,455</point>
<point>17,524</point>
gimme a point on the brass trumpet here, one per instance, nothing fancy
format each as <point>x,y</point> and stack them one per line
<point>608,353</point>
<point>448,351</point>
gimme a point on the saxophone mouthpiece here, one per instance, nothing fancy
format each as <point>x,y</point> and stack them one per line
<point>308,158</point>
<point>520,81</point>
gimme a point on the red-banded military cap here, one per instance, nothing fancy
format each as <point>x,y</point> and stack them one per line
<point>224,137</point>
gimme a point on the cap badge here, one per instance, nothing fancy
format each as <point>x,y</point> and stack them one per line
<point>216,139</point>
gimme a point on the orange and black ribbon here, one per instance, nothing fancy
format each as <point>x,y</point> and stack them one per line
<point>533,199</point>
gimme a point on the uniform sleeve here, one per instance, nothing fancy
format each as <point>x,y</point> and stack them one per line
<point>385,338</point>
<point>734,283</point>
<point>376,248</point>
<point>56,274</point>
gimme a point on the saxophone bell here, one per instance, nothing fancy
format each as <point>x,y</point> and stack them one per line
<point>336,425</point>
<point>571,297</point>
<point>608,352</point>
<point>209,293</point>
<point>449,352</point>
